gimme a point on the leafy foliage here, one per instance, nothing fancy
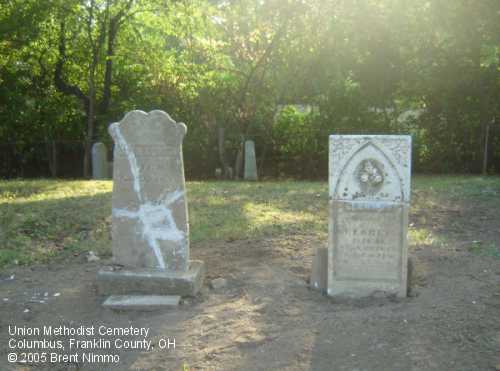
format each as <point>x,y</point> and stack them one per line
<point>228,66</point>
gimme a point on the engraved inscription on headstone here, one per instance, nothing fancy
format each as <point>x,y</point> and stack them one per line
<point>369,202</point>
<point>364,250</point>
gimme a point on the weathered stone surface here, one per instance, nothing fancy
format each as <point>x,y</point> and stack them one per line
<point>369,203</point>
<point>110,169</point>
<point>143,302</point>
<point>99,161</point>
<point>92,257</point>
<point>218,283</point>
<point>151,281</point>
<point>319,272</point>
<point>250,172</point>
<point>150,220</point>
<point>353,156</point>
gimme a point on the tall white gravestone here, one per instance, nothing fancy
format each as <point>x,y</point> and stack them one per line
<point>369,189</point>
<point>150,231</point>
<point>99,161</point>
<point>250,171</point>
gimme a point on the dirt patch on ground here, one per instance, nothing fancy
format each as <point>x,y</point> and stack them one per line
<point>267,318</point>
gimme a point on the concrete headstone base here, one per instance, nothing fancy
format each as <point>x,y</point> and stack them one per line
<point>111,281</point>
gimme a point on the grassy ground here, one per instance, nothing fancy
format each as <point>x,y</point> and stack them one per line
<point>42,220</point>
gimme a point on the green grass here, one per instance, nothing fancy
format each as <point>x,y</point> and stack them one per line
<point>457,188</point>
<point>484,249</point>
<point>239,210</point>
<point>457,206</point>
<point>43,220</point>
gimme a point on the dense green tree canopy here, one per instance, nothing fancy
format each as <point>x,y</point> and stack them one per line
<point>429,68</point>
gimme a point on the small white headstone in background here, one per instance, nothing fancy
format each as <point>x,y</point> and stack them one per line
<point>250,172</point>
<point>100,169</point>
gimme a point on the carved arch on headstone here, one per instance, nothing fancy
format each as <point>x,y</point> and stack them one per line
<point>358,153</point>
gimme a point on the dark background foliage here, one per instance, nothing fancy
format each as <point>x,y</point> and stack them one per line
<point>284,73</point>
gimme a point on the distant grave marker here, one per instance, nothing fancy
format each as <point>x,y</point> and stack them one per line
<point>250,172</point>
<point>100,167</point>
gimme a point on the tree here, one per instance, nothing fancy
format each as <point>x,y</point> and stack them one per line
<point>225,67</point>
<point>93,25</point>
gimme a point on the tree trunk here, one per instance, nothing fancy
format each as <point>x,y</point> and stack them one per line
<point>238,165</point>
<point>89,136</point>
<point>485,148</point>
<point>262,159</point>
<point>54,158</point>
<point>222,151</point>
<point>52,155</point>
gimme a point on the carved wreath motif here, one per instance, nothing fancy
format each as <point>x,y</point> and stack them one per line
<point>370,176</point>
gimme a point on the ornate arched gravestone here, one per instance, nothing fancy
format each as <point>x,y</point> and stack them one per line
<point>150,231</point>
<point>369,178</point>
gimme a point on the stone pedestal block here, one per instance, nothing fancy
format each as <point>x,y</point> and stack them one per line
<point>112,281</point>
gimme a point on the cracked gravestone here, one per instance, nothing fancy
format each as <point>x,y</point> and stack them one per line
<point>150,232</point>
<point>369,192</point>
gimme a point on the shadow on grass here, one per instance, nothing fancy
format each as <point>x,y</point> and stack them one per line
<point>456,212</point>
<point>44,219</point>
<point>21,188</point>
<point>39,219</point>
<point>38,231</point>
<point>234,210</point>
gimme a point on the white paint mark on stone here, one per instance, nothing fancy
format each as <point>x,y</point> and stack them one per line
<point>10,278</point>
<point>157,220</point>
<point>158,223</point>
<point>134,166</point>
